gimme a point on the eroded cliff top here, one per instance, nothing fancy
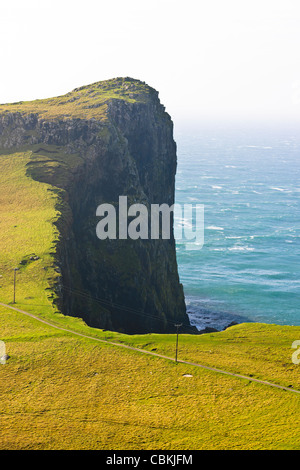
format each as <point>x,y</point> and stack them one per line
<point>85,102</point>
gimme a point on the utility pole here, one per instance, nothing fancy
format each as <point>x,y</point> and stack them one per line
<point>178,325</point>
<point>15,274</point>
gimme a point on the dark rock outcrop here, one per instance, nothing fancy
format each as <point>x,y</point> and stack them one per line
<point>126,149</point>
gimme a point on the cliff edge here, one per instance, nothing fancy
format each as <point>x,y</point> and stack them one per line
<point>92,145</point>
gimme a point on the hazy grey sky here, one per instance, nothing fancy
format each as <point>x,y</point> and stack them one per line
<point>207,58</point>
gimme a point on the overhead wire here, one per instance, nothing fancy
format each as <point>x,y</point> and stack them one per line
<point>118,306</point>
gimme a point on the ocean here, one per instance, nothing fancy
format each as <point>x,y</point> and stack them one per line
<point>249,182</point>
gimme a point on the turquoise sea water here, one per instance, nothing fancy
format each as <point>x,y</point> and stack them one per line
<point>249,182</point>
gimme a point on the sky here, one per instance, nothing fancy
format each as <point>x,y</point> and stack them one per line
<point>209,59</point>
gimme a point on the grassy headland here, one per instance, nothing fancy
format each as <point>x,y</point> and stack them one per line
<point>85,102</point>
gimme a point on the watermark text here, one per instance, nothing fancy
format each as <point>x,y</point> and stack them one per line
<point>140,222</point>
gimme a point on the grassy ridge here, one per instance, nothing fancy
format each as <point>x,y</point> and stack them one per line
<point>85,102</point>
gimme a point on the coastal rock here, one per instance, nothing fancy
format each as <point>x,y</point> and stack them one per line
<point>208,329</point>
<point>233,323</point>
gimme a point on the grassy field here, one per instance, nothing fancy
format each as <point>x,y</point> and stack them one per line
<point>59,391</point>
<point>63,392</point>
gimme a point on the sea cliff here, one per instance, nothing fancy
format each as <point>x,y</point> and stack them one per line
<point>92,145</point>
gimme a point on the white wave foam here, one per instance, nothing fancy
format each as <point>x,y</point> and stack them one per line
<point>278,189</point>
<point>233,238</point>
<point>214,227</point>
<point>240,248</point>
<point>258,147</point>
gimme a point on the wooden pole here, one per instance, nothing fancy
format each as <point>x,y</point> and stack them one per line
<point>15,274</point>
<point>177,326</point>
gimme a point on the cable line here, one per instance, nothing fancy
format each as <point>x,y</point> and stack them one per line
<point>112,304</point>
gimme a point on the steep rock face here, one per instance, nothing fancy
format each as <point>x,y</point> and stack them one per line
<point>124,147</point>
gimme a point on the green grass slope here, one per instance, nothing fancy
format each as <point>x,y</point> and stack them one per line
<point>27,216</point>
<point>85,102</point>
<point>59,391</point>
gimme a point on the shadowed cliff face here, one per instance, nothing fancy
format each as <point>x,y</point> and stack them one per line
<point>127,149</point>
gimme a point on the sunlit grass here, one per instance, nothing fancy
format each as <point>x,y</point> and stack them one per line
<point>59,391</point>
<point>27,216</point>
<point>85,102</point>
